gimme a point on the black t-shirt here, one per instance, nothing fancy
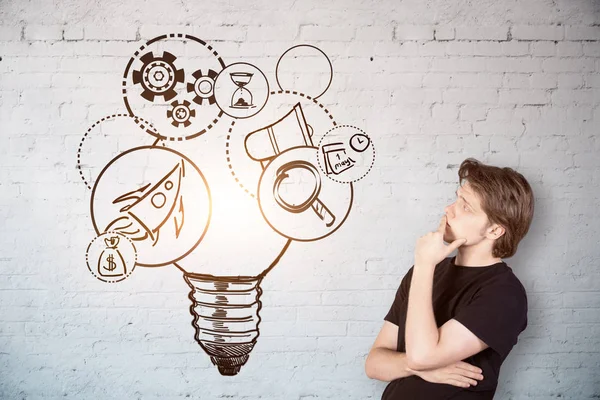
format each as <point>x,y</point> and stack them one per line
<point>489,300</point>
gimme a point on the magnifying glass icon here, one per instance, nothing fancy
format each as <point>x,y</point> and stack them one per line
<point>300,195</point>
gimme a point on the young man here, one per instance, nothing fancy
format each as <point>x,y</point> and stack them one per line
<point>455,319</point>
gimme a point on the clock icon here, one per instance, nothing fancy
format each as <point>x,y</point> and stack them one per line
<point>360,142</point>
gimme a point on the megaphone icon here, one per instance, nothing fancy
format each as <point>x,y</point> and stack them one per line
<point>289,132</point>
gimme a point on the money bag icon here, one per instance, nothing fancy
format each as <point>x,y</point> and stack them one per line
<point>111,261</point>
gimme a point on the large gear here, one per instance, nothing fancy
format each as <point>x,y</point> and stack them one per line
<point>203,86</point>
<point>180,113</point>
<point>158,76</point>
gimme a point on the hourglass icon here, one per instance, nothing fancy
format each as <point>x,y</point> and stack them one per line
<point>242,98</point>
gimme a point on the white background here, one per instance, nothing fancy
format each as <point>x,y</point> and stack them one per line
<point>511,83</point>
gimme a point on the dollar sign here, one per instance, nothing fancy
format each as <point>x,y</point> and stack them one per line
<point>111,264</point>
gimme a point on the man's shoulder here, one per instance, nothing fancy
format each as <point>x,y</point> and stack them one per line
<point>502,278</point>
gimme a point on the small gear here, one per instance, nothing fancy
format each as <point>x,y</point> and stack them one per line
<point>180,113</point>
<point>158,76</point>
<point>203,86</point>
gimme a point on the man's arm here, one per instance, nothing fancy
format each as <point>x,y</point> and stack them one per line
<point>384,362</point>
<point>427,346</point>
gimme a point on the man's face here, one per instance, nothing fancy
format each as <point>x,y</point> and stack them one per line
<point>465,218</point>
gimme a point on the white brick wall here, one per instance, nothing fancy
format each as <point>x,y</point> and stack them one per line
<point>432,82</point>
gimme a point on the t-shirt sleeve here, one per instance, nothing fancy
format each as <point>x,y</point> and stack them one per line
<point>394,313</point>
<point>497,314</point>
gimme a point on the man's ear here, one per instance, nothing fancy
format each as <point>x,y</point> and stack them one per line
<point>496,231</point>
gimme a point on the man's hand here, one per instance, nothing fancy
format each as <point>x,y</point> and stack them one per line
<point>459,374</point>
<point>431,250</point>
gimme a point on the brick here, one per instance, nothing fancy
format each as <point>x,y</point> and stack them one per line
<point>109,48</point>
<point>419,144</point>
<point>592,80</point>
<point>150,31</point>
<point>569,49</point>
<point>591,49</point>
<point>512,48</point>
<point>368,329</point>
<point>568,65</point>
<point>84,64</point>
<point>512,129</point>
<point>509,64</point>
<point>415,96</point>
<point>286,344</point>
<point>568,97</point>
<point>543,49</point>
<point>107,32</point>
<point>431,48</point>
<point>543,81</point>
<point>539,32</point>
<point>520,96</point>
<point>43,32</point>
<point>225,33</point>
<point>582,32</point>
<point>371,33</point>
<point>437,79</point>
<point>447,128</point>
<point>397,80</point>
<point>570,81</point>
<point>72,32</point>
<point>502,144</point>
<point>586,160</point>
<point>447,112</point>
<point>462,48</point>
<point>472,113</point>
<point>482,33</point>
<point>10,32</point>
<point>516,80</point>
<point>458,64</point>
<point>395,49</point>
<point>319,329</point>
<point>471,96</point>
<point>413,32</point>
<point>450,144</point>
<point>316,33</point>
<point>444,33</point>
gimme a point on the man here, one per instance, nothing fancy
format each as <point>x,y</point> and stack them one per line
<point>455,319</point>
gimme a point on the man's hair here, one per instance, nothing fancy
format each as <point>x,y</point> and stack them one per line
<point>506,198</point>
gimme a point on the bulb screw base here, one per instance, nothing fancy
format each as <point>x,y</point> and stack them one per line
<point>226,317</point>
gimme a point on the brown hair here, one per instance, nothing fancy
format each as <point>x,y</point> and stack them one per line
<point>506,198</point>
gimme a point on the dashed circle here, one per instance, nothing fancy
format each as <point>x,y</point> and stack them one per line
<point>319,158</point>
<point>134,117</point>
<point>253,195</point>
<point>308,97</point>
<point>229,162</point>
<point>87,261</point>
<point>137,53</point>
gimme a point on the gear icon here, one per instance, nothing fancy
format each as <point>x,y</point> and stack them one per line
<point>158,76</point>
<point>203,86</point>
<point>180,113</point>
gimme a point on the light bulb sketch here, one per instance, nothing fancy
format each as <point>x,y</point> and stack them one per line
<point>165,202</point>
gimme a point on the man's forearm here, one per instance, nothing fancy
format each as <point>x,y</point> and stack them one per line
<point>421,334</point>
<point>386,365</point>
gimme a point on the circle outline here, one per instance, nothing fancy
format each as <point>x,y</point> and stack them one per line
<point>278,231</point>
<point>319,153</point>
<point>179,155</point>
<point>135,55</point>
<point>314,47</point>
<point>88,263</point>
<point>266,80</point>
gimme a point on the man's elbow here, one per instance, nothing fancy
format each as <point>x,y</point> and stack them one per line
<point>419,362</point>
<point>369,367</point>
